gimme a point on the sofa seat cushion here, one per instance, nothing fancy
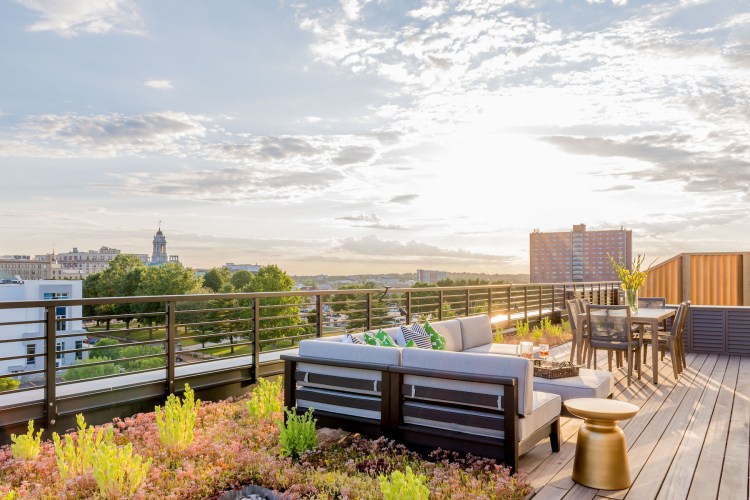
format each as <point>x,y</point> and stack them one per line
<point>503,349</point>
<point>546,407</point>
<point>476,364</point>
<point>475,331</point>
<point>451,330</point>
<point>356,405</point>
<point>588,384</point>
<point>478,422</point>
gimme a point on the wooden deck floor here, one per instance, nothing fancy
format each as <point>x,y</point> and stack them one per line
<point>691,438</point>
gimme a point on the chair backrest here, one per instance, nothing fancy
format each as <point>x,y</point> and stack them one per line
<point>609,327</point>
<point>573,312</point>
<point>652,302</point>
<point>582,303</point>
<point>678,325</point>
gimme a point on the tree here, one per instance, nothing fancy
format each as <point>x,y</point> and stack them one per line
<point>352,305</point>
<point>240,279</point>
<point>216,279</point>
<point>169,279</point>
<point>133,351</point>
<point>114,282</point>
<point>9,384</point>
<point>83,371</point>
<point>112,353</point>
<point>272,279</point>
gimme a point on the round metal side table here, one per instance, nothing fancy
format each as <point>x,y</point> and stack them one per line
<point>601,459</point>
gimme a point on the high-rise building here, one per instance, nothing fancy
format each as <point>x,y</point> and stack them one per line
<point>578,255</point>
<point>430,277</point>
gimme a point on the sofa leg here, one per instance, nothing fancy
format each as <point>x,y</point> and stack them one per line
<point>554,436</point>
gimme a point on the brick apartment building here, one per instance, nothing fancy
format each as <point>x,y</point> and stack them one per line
<point>578,255</point>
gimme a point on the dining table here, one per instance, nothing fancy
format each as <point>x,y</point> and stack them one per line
<point>646,316</point>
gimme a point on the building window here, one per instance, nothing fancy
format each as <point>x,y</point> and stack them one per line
<point>59,357</point>
<point>30,352</point>
<point>79,349</point>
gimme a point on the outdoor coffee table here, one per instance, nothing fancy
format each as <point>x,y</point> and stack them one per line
<point>601,459</point>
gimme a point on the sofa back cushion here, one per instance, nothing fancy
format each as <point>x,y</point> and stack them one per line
<point>481,395</point>
<point>451,330</point>
<point>475,331</point>
<point>349,352</point>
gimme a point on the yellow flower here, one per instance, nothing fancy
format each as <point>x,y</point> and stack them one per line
<point>632,279</point>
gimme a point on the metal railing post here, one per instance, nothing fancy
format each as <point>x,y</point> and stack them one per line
<point>256,336</point>
<point>50,373</point>
<point>466,311</point>
<point>171,356</point>
<point>489,303</point>
<point>440,305</point>
<point>526,303</point>
<point>408,307</point>
<point>509,304</point>
<point>368,313</point>
<point>319,326</point>
<point>541,309</point>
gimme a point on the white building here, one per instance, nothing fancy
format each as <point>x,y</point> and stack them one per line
<point>89,262</point>
<point>27,348</point>
<point>252,268</point>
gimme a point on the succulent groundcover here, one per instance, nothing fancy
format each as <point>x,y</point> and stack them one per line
<point>231,447</point>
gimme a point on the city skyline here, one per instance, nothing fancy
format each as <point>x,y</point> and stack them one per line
<point>357,136</point>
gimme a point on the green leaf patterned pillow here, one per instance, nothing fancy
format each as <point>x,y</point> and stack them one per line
<point>380,339</point>
<point>438,341</point>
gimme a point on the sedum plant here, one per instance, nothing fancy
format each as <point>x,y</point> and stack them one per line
<point>399,485</point>
<point>176,422</point>
<point>522,328</point>
<point>298,435</point>
<point>118,471</point>
<point>77,457</point>
<point>26,446</point>
<point>266,399</point>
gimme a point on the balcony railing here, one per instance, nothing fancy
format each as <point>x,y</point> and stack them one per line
<point>218,343</point>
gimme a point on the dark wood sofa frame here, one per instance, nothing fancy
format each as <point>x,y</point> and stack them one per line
<point>425,438</point>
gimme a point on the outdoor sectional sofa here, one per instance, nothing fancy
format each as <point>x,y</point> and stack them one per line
<point>472,397</point>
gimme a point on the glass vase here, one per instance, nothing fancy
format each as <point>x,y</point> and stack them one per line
<point>631,297</point>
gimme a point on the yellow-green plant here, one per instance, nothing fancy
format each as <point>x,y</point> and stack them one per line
<point>11,495</point>
<point>26,446</point>
<point>537,334</point>
<point>76,457</point>
<point>298,435</point>
<point>118,471</point>
<point>498,338</point>
<point>176,423</point>
<point>522,328</point>
<point>266,399</point>
<point>399,485</point>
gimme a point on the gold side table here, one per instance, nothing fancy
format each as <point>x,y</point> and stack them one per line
<point>601,459</point>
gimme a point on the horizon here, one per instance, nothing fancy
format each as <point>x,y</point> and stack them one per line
<point>361,137</point>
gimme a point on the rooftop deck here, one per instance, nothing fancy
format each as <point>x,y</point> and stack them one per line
<point>691,438</point>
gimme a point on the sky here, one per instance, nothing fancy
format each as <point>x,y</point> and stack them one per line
<point>355,136</point>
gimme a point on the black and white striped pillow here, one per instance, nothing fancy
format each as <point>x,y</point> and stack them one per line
<point>350,339</point>
<point>421,340</point>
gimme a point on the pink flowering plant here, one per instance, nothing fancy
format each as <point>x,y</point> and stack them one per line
<point>233,446</point>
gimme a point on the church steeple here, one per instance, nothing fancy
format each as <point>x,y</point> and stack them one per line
<point>159,254</point>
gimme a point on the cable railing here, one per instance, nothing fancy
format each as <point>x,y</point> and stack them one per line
<point>63,356</point>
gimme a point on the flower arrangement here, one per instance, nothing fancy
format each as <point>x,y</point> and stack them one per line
<point>632,279</point>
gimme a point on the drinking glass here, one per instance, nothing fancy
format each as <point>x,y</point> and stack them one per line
<point>544,351</point>
<point>527,350</point>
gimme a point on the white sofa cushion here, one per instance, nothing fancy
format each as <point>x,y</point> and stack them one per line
<point>503,349</point>
<point>546,407</point>
<point>588,384</point>
<point>477,364</point>
<point>475,331</point>
<point>451,330</point>
<point>350,352</point>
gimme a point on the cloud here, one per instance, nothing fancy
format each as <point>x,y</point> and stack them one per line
<point>370,221</point>
<point>619,187</point>
<point>113,134</point>
<point>354,154</point>
<point>375,247</point>
<point>70,18</point>
<point>404,198</point>
<point>159,84</point>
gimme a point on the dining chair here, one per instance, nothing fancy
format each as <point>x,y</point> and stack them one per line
<point>610,329</point>
<point>573,312</point>
<point>671,339</point>
<point>652,302</point>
